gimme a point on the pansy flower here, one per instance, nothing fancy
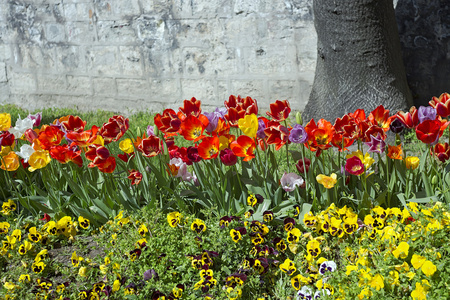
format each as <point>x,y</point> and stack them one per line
<point>237,233</point>
<point>174,218</point>
<point>313,248</point>
<point>84,223</point>
<point>268,216</point>
<point>8,207</point>
<point>293,235</point>
<point>198,226</point>
<point>288,267</point>
<point>75,259</point>
<point>34,235</point>
<point>38,267</point>
<point>327,266</point>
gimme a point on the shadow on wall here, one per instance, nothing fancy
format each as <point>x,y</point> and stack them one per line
<point>424,29</point>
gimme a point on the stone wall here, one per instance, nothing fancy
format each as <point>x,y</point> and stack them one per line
<point>127,55</point>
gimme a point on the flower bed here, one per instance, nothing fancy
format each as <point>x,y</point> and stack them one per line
<point>273,211</point>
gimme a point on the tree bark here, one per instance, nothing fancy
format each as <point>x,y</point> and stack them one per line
<point>359,62</point>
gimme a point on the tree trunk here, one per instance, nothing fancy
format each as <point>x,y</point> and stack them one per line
<point>359,62</point>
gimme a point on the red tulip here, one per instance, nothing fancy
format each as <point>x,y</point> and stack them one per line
<point>442,151</point>
<point>428,131</point>
<point>227,157</point>
<point>279,111</point>
<point>114,129</point>
<point>442,104</point>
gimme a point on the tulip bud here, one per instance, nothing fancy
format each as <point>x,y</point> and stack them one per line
<point>298,118</point>
<point>434,180</point>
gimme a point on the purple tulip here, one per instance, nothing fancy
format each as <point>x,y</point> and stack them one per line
<point>376,144</point>
<point>396,126</point>
<point>150,130</point>
<point>289,181</point>
<point>261,126</point>
<point>298,134</point>
<point>36,118</point>
<point>213,118</point>
<point>426,113</point>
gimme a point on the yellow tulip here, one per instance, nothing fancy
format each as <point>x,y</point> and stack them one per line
<point>249,125</point>
<point>5,121</point>
<point>327,181</point>
<point>412,162</point>
<point>38,160</point>
<point>10,162</point>
<point>127,146</point>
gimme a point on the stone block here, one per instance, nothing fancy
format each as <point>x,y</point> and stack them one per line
<point>271,59</point>
<point>70,59</point>
<point>116,10</point>
<point>193,32</point>
<point>245,7</point>
<point>51,83</point>
<point>283,90</point>
<point>132,88</point>
<point>54,32</point>
<point>103,60</point>
<point>118,32</point>
<point>165,90</point>
<point>159,63</point>
<point>240,30</point>
<point>151,32</point>
<point>131,61</point>
<point>211,9</point>
<point>148,6</point>
<point>216,61</point>
<point>223,92</point>
<point>80,85</point>
<point>81,33</point>
<point>35,57</point>
<point>255,88</point>
<point>104,86</point>
<point>21,83</point>
<point>201,89</point>
<point>178,9</point>
<point>78,11</point>
<point>3,77</point>
<point>4,92</point>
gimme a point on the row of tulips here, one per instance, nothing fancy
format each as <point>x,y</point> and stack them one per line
<point>215,159</point>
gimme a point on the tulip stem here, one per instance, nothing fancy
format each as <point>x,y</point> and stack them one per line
<point>287,150</point>
<point>304,171</point>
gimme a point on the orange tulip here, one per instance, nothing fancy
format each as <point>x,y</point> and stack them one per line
<point>243,147</point>
<point>395,152</point>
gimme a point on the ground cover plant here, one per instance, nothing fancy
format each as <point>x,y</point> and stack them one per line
<point>226,204</point>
